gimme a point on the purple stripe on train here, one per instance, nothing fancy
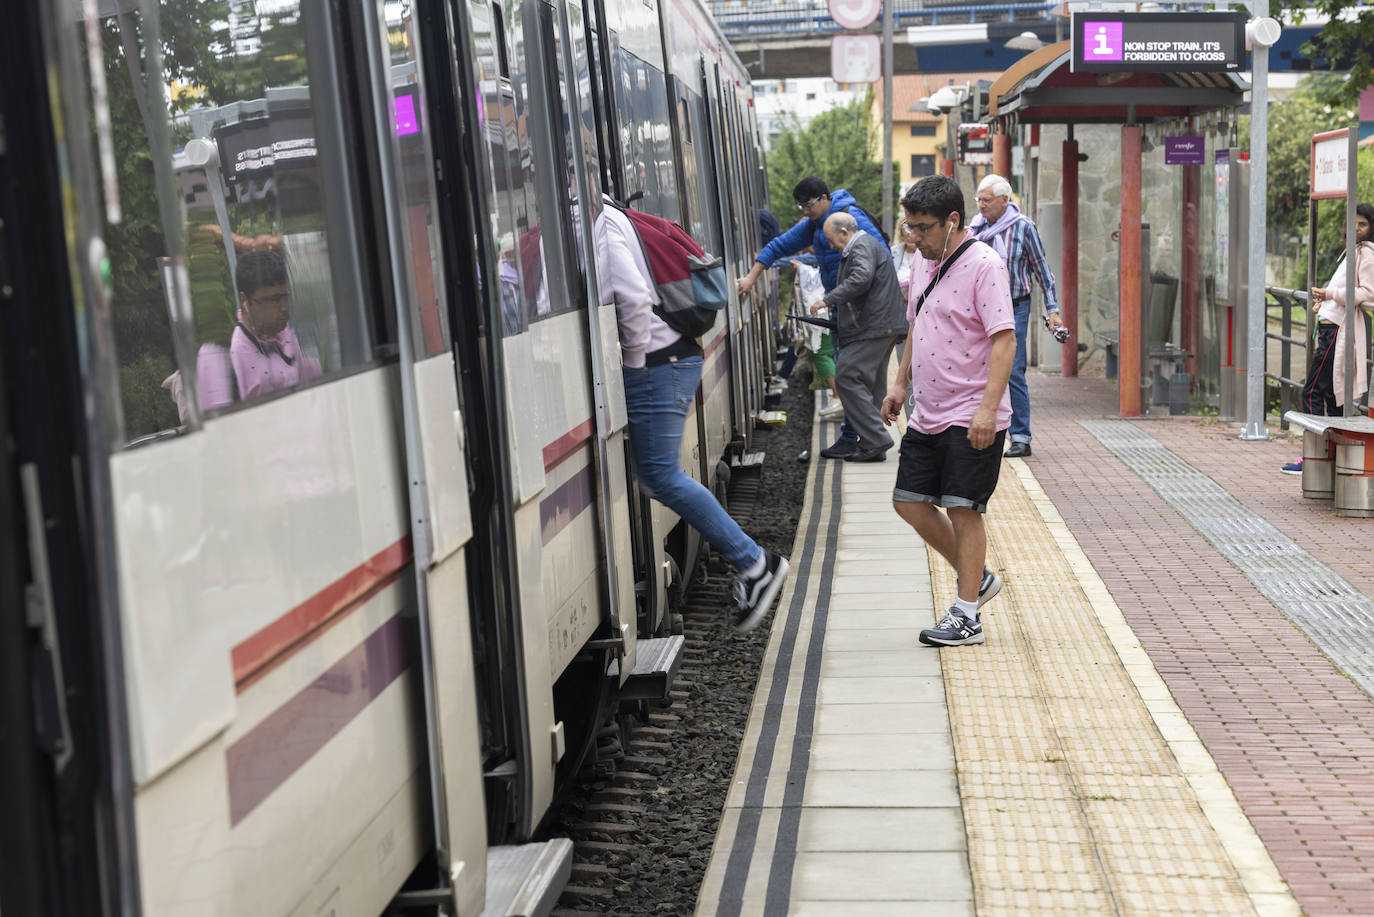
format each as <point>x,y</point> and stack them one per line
<point>276,748</point>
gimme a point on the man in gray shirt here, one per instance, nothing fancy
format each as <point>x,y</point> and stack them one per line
<point>870,321</point>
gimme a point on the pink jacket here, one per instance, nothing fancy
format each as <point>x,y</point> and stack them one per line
<point>1364,299</point>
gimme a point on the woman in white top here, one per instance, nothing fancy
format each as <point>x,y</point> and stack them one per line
<point>903,253</point>
<point>1324,391</point>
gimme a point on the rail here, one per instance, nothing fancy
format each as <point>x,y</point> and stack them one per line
<point>1289,387</point>
<point>739,18</point>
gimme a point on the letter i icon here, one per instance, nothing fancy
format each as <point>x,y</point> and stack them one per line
<point>1102,46</point>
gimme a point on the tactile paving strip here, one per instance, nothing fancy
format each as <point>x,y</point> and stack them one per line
<point>1073,801</point>
<point>1335,615</point>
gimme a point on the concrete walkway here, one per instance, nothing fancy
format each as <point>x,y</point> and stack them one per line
<point>1046,771</point>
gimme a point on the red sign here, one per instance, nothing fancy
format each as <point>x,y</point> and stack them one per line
<point>855,14</point>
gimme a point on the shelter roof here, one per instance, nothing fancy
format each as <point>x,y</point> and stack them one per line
<point>1040,88</point>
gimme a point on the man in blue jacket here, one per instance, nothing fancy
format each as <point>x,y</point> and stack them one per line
<point>816,202</point>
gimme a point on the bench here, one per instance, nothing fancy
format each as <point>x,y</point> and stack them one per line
<point>1337,461</point>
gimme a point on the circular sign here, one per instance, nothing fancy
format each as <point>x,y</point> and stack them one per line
<point>855,14</point>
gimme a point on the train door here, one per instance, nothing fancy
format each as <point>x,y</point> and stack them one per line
<point>67,815</point>
<point>248,483</point>
<point>435,439</point>
<point>713,92</point>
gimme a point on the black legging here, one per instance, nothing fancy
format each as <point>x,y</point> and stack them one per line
<point>1318,392</point>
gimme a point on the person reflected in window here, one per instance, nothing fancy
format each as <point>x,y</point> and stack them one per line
<point>264,350</point>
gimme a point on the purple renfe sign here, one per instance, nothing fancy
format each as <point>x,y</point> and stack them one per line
<point>1185,150</point>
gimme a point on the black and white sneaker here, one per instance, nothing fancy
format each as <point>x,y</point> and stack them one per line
<point>953,630</point>
<point>755,594</point>
<point>989,586</point>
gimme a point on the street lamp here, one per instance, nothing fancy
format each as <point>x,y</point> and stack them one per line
<point>942,102</point>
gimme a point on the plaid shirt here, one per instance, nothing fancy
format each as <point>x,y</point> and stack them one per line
<point>1026,253</point>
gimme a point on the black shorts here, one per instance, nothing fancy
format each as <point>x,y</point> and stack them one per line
<point>944,469</point>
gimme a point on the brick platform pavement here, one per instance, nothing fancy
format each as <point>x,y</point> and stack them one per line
<point>1292,735</point>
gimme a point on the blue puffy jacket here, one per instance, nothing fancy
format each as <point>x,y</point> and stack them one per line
<point>809,232</point>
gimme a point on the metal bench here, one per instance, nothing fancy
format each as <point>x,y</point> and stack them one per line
<point>1336,465</point>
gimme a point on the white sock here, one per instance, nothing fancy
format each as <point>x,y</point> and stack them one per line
<point>758,566</point>
<point>967,609</point>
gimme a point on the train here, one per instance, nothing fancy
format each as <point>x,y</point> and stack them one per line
<point>325,565</point>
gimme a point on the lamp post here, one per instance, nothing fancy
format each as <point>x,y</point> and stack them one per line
<point>942,102</point>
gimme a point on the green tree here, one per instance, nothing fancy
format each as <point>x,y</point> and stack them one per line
<point>1346,43</point>
<point>839,146</point>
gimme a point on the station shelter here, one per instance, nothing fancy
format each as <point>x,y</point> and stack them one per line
<point>1184,321</point>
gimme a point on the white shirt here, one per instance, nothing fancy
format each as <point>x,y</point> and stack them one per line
<point>624,278</point>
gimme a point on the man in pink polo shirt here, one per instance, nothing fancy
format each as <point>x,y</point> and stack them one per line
<point>956,363</point>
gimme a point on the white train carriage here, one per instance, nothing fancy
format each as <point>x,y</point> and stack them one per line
<point>316,617</point>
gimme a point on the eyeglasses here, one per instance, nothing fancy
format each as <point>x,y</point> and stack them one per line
<point>276,299</point>
<point>807,206</point>
<point>919,229</point>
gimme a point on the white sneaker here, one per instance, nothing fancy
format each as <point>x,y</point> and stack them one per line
<point>832,411</point>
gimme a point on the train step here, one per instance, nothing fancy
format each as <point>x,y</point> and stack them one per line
<point>656,663</point>
<point>747,460</point>
<point>525,880</point>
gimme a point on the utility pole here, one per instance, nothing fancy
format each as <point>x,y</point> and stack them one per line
<point>889,18</point>
<point>1262,32</point>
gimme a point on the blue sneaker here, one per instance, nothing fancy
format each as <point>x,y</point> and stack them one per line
<point>953,630</point>
<point>1293,467</point>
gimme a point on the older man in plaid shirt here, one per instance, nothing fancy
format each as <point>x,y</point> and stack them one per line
<point>1013,235</point>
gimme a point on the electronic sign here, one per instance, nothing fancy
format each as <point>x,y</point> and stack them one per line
<point>1107,42</point>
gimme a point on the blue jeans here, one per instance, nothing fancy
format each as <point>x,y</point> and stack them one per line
<point>657,399</point>
<point>1019,432</point>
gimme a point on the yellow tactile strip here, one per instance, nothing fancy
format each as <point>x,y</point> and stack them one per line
<point>1074,801</point>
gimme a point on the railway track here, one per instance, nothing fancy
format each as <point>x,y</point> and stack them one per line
<point>643,834</point>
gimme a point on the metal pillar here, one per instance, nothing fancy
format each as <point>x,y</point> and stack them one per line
<point>1259,156</point>
<point>1190,267</point>
<point>1128,328</point>
<point>889,16</point>
<point>1068,272</point>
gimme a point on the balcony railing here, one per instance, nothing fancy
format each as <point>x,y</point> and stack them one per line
<point>764,17</point>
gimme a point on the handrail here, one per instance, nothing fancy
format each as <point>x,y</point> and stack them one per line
<point>1287,300</point>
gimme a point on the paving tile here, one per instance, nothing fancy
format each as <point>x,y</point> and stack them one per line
<point>892,830</point>
<point>911,877</point>
<point>881,789</point>
<point>869,751</point>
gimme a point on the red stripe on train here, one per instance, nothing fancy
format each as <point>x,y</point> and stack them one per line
<point>278,641</point>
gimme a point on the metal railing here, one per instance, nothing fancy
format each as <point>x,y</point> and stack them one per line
<point>751,17</point>
<point>1289,388</point>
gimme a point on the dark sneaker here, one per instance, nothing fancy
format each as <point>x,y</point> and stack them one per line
<point>755,594</point>
<point>1018,450</point>
<point>989,587</point>
<point>839,449</point>
<point>1293,467</point>
<point>867,455</point>
<point>953,630</point>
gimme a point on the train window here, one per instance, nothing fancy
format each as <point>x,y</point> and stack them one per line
<point>225,270</point>
<point>411,132</point>
<point>520,268</point>
<point>588,122</point>
<point>563,286</point>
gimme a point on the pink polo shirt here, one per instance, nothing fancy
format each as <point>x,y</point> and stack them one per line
<point>951,340</point>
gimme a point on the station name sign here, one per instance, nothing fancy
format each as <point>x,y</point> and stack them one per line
<point>1107,42</point>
